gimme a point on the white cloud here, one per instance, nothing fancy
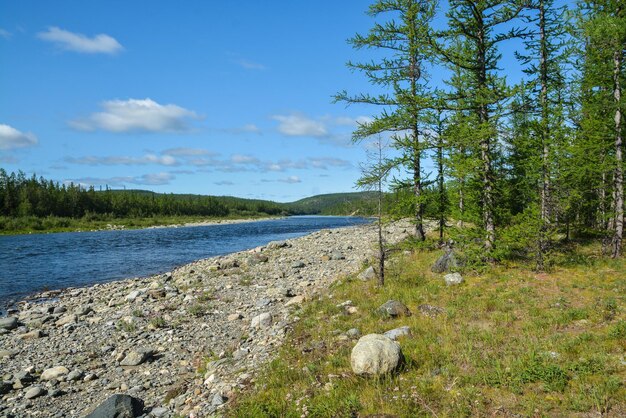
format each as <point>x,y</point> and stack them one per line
<point>224,183</point>
<point>11,138</point>
<point>297,124</point>
<point>250,65</point>
<point>134,115</point>
<point>5,34</point>
<point>166,160</point>
<point>244,159</point>
<point>291,179</point>
<point>77,42</point>
<point>186,152</point>
<point>155,179</point>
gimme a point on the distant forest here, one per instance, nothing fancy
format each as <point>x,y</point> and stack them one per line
<point>22,196</point>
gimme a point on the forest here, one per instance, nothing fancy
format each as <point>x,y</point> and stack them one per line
<point>525,165</point>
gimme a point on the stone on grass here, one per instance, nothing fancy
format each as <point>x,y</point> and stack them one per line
<point>446,262</point>
<point>393,308</point>
<point>375,354</point>
<point>430,310</point>
<point>453,279</point>
<point>54,373</point>
<point>262,321</point>
<point>10,322</point>
<point>353,333</point>
<point>118,406</point>
<point>394,334</point>
<point>367,274</point>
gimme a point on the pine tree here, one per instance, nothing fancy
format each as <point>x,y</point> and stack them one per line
<point>401,74</point>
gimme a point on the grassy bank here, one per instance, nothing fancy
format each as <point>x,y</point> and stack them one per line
<point>508,342</point>
<point>33,224</point>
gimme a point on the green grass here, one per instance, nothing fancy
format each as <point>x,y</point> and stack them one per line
<point>36,225</point>
<point>510,342</point>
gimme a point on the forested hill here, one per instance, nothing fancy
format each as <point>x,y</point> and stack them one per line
<point>362,203</point>
<point>22,196</point>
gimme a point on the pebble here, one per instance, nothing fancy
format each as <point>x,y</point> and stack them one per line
<point>34,392</point>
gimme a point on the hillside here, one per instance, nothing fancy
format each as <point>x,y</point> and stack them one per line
<point>361,203</point>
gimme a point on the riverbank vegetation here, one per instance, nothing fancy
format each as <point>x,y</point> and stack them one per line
<point>538,155</point>
<point>31,204</point>
<point>507,342</point>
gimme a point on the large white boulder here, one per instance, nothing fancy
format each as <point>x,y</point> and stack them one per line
<point>375,354</point>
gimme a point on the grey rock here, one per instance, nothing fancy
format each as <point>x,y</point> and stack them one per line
<point>118,406</point>
<point>136,357</point>
<point>217,400</point>
<point>337,255</point>
<point>393,308</point>
<point>159,412</point>
<point>66,320</point>
<point>367,274</point>
<point>35,392</point>
<point>132,295</point>
<point>24,377</point>
<point>453,279</point>
<point>277,244</point>
<point>59,310</point>
<point>55,393</point>
<point>353,333</point>
<point>83,310</point>
<point>430,310</point>
<point>33,335</point>
<point>394,334</point>
<point>446,262</point>
<point>263,320</point>
<point>298,265</point>
<point>10,322</point>
<point>74,375</point>
<point>5,387</point>
<point>54,373</point>
<point>375,354</point>
<point>8,353</point>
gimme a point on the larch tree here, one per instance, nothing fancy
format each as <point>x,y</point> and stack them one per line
<point>401,77</point>
<point>480,26</point>
<point>545,60</point>
<point>604,29</point>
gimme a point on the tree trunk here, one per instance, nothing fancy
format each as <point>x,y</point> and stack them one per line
<point>543,243</point>
<point>381,246</point>
<point>417,181</point>
<point>618,221</point>
<point>485,147</point>
<point>442,192</point>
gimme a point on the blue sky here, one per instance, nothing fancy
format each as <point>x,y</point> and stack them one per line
<point>207,97</point>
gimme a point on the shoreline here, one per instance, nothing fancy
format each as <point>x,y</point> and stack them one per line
<point>200,331</point>
<point>121,227</point>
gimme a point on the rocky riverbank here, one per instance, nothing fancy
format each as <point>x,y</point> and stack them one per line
<point>184,342</point>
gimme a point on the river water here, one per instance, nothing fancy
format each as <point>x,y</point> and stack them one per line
<point>32,263</point>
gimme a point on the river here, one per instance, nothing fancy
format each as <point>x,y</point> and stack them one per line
<point>33,263</point>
